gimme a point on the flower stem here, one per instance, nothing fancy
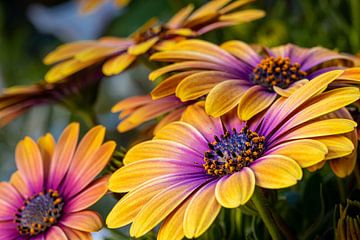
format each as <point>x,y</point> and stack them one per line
<point>263,209</point>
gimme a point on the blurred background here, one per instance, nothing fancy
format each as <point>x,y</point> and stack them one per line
<point>29,29</point>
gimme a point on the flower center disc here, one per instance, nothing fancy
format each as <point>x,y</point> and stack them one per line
<point>39,213</point>
<point>278,72</point>
<point>232,152</point>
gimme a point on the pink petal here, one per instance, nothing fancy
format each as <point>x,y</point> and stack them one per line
<point>87,221</point>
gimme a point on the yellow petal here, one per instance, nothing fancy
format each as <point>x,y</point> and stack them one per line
<point>243,16</point>
<point>117,64</point>
<point>339,146</point>
<point>276,171</point>
<point>199,84</point>
<point>253,101</point>
<point>236,189</point>
<point>180,16</point>
<point>322,128</point>
<point>161,149</point>
<point>291,89</point>
<point>305,152</point>
<point>201,212</point>
<point>143,47</point>
<point>162,205</point>
<point>224,97</point>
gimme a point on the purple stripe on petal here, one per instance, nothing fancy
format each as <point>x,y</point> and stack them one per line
<point>323,70</point>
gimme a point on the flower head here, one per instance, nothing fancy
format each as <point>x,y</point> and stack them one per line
<point>137,110</point>
<point>117,54</point>
<point>14,101</point>
<point>236,75</point>
<point>48,196</point>
<point>193,167</point>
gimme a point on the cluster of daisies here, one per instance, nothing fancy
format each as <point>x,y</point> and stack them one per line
<point>226,122</point>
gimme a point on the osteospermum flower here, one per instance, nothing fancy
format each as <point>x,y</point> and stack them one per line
<point>48,196</point>
<point>191,168</point>
<point>117,54</point>
<point>236,75</point>
<point>14,101</point>
<point>137,110</point>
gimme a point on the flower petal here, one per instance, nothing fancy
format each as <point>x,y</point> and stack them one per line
<point>63,154</point>
<point>129,206</point>
<point>339,146</point>
<point>10,201</point>
<point>30,165</point>
<point>90,168</point>
<point>199,84</point>
<point>169,118</point>
<point>89,196</point>
<point>172,226</point>
<point>161,149</point>
<point>201,212</point>
<point>183,133</point>
<point>142,47</point>
<point>19,183</point>
<point>132,175</point>
<point>291,89</point>
<point>87,221</point>
<point>117,64</point>
<point>321,128</point>
<point>205,124</point>
<point>236,189</point>
<point>47,147</point>
<point>57,233</point>
<point>305,152</point>
<point>73,234</point>
<point>224,97</point>
<point>253,101</point>
<point>276,171</point>
<point>242,51</point>
<point>160,206</point>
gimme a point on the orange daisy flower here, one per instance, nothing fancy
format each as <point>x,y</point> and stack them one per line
<point>234,74</point>
<point>117,54</point>
<point>48,196</point>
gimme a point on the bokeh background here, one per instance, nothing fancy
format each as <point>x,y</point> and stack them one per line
<point>29,29</point>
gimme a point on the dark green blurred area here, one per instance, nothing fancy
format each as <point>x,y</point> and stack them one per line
<point>334,24</point>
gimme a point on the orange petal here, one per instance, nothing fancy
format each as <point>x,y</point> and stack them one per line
<point>169,118</point>
<point>168,86</point>
<point>161,149</point>
<point>317,166</point>
<point>87,221</point>
<point>210,7</point>
<point>131,102</point>
<point>73,234</point>
<point>55,232</point>
<point>89,196</point>
<point>276,171</point>
<point>177,20</point>
<point>201,212</point>
<point>224,97</point>
<point>236,189</point>
<point>142,47</point>
<point>19,183</point>
<point>118,64</point>
<point>90,168</point>
<point>199,84</point>
<point>47,147</point>
<point>134,174</point>
<point>243,16</point>
<point>242,51</point>
<point>205,124</point>
<point>339,146</point>
<point>253,101</point>
<point>63,154</point>
<point>30,165</point>
<point>183,133</point>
